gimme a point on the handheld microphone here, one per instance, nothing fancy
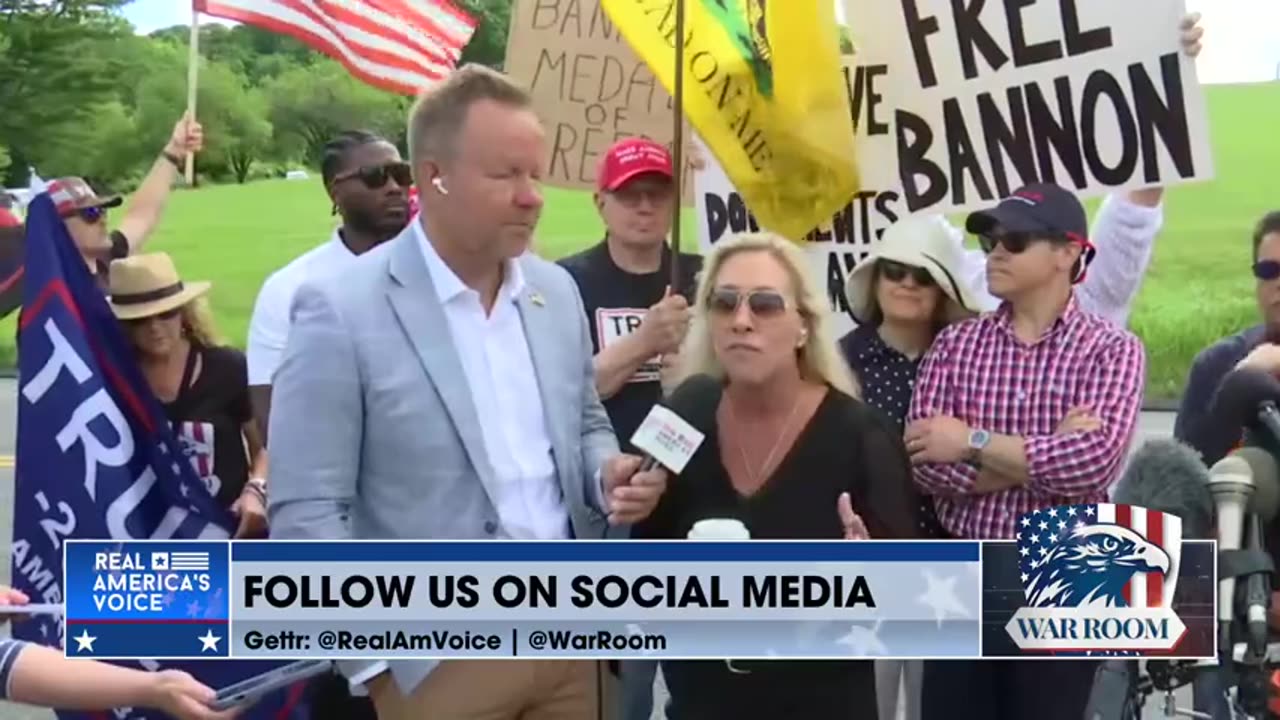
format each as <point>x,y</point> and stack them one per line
<point>1167,475</point>
<point>666,436</point>
<point>1231,484</point>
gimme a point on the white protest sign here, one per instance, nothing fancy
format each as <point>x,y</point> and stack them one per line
<point>958,104</point>
<point>1094,95</point>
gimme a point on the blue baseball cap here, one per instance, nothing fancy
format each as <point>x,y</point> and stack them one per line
<point>1039,209</point>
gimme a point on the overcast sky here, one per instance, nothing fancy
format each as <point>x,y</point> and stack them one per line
<point>1243,45</point>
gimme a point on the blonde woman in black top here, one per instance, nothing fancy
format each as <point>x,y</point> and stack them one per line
<point>791,452</point>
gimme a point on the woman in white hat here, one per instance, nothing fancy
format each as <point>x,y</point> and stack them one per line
<point>202,384</point>
<point>902,294</point>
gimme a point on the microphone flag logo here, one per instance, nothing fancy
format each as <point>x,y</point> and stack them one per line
<point>1099,579</point>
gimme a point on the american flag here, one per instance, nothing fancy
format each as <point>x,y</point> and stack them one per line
<point>403,46</point>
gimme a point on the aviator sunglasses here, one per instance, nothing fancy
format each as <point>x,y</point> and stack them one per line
<point>375,176</point>
<point>897,272</point>
<point>761,303</point>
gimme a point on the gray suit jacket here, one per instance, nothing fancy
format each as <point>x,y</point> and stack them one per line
<point>374,434</point>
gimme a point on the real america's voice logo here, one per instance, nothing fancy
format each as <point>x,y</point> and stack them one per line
<point>1098,578</point>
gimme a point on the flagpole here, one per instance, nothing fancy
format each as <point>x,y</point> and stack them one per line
<point>193,64</point>
<point>677,148</point>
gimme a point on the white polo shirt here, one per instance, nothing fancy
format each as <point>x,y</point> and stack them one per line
<point>269,326</point>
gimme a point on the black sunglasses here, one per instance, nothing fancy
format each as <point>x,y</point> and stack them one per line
<point>376,176</point>
<point>897,272</point>
<point>1266,270</point>
<point>761,303</point>
<point>1014,242</point>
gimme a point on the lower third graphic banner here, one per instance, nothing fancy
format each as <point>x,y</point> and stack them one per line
<point>586,599</point>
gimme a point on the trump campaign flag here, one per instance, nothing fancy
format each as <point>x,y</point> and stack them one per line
<point>96,457</point>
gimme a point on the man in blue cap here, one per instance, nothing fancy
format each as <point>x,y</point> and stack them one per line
<point>1028,407</point>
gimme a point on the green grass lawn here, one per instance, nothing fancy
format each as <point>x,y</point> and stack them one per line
<point>1197,290</point>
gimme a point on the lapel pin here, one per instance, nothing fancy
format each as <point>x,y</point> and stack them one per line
<point>536,298</point>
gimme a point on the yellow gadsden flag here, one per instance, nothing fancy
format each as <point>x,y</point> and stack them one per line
<point>763,86</point>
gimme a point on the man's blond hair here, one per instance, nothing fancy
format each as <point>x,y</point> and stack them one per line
<point>439,113</point>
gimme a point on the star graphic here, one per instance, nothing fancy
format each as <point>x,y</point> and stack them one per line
<point>940,596</point>
<point>209,641</point>
<point>1026,522</point>
<point>193,609</point>
<point>84,641</point>
<point>1088,511</point>
<point>863,641</point>
<point>168,599</point>
<point>1071,511</point>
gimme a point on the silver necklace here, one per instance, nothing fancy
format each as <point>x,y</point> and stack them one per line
<point>753,473</point>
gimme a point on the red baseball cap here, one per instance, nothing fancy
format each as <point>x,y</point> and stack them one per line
<point>630,157</point>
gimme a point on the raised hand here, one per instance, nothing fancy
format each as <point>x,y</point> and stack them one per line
<point>854,528</point>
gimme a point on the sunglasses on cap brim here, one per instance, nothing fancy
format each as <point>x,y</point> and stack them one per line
<point>761,303</point>
<point>375,177</point>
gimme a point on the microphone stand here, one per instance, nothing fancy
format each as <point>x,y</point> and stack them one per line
<point>1257,596</point>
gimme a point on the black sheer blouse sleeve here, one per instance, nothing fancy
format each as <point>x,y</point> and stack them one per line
<point>884,494</point>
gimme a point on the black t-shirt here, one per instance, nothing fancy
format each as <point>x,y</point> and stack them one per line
<point>208,417</point>
<point>846,446</point>
<point>616,301</point>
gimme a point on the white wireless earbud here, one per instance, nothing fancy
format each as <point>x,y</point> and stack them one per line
<point>439,184</point>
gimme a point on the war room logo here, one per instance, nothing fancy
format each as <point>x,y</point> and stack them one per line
<point>1098,578</point>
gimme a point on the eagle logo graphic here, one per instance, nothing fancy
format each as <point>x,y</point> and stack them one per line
<point>1099,579</point>
<point>1091,566</point>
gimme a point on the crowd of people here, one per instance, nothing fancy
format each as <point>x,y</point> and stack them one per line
<point>423,373</point>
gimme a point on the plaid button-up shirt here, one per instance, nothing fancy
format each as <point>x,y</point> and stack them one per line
<point>979,372</point>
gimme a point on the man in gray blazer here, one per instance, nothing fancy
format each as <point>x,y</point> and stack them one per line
<point>442,387</point>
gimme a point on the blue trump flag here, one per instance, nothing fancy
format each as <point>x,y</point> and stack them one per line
<point>96,456</point>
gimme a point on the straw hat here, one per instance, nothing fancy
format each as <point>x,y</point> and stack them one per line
<point>142,286</point>
<point>923,241</point>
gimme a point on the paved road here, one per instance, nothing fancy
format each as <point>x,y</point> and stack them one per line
<point>1156,424</point>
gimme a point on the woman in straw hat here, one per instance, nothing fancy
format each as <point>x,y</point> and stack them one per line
<point>790,452</point>
<point>902,294</point>
<point>203,385</point>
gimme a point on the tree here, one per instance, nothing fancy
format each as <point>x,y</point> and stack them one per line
<point>234,116</point>
<point>311,104</point>
<point>488,45</point>
<point>58,68</point>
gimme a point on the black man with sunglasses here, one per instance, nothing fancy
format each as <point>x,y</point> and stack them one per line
<point>368,185</point>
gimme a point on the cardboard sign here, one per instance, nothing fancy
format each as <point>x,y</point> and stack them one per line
<point>588,86</point>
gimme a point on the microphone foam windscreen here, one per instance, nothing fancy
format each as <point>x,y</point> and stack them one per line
<point>1240,394</point>
<point>1168,476</point>
<point>694,396</point>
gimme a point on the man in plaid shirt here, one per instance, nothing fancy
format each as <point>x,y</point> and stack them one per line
<point>1030,406</point>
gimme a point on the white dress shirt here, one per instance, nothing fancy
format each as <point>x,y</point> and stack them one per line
<point>495,356</point>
